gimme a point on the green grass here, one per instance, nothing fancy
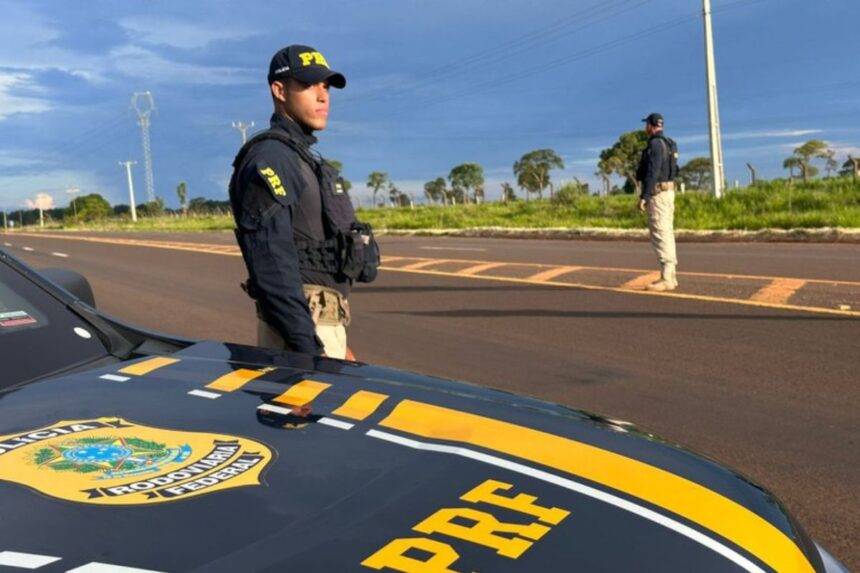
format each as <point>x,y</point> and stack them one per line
<point>772,205</point>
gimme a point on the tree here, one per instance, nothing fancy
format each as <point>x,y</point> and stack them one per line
<point>375,182</point>
<point>697,173</point>
<point>151,208</point>
<point>508,193</point>
<point>467,176</point>
<point>812,149</point>
<point>830,164</point>
<point>623,158</point>
<point>89,208</point>
<point>532,170</point>
<point>182,193</point>
<point>435,190</point>
<point>791,163</point>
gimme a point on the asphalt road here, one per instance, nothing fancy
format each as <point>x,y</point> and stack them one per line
<point>770,391</point>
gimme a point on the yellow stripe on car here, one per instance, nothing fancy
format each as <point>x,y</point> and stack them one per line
<point>148,366</point>
<point>646,482</point>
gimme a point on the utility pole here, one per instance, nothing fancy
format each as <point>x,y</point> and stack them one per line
<point>243,127</point>
<point>855,173</point>
<point>128,165</point>
<point>144,104</point>
<point>5,222</point>
<point>752,174</point>
<point>718,171</point>
<point>73,191</point>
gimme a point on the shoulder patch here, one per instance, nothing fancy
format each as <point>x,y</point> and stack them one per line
<point>273,181</point>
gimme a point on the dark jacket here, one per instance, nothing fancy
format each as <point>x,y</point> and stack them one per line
<point>276,201</point>
<point>654,165</point>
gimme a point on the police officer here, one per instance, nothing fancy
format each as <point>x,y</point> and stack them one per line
<point>295,225</point>
<point>657,170</point>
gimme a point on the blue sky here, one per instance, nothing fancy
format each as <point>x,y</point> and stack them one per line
<point>430,85</point>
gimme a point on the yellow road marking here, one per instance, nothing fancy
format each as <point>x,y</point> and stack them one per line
<point>641,281</point>
<point>480,268</point>
<point>674,294</point>
<point>302,393</point>
<point>360,405</point>
<point>235,380</point>
<point>552,273</point>
<point>424,263</point>
<point>778,291</point>
<point>644,481</point>
<point>148,366</point>
<point>540,278</point>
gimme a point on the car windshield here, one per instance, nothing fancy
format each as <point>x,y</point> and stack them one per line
<point>39,335</point>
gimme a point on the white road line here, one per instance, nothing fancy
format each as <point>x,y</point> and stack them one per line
<point>452,249</point>
<point>275,409</point>
<point>28,249</point>
<point>115,378</point>
<point>204,394</point>
<point>616,501</point>
<point>335,423</point>
<point>108,568</point>
<point>25,560</point>
<point>61,255</point>
<point>7,244</point>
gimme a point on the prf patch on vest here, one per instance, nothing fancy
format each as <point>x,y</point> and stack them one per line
<point>273,181</point>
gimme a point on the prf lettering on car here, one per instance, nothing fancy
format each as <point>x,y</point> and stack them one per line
<point>315,57</point>
<point>483,529</point>
<point>273,181</point>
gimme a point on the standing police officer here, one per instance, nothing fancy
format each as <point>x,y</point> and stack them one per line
<point>657,170</point>
<point>295,225</point>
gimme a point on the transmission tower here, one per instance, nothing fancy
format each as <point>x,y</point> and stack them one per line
<point>144,105</point>
<point>243,127</point>
<point>717,168</point>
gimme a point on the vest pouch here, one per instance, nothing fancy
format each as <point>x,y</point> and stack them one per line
<point>370,252</point>
<point>352,251</point>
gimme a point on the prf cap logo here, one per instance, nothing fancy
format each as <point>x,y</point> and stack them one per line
<point>109,461</point>
<point>309,58</point>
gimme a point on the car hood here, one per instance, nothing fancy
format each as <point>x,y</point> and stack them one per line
<point>209,460</point>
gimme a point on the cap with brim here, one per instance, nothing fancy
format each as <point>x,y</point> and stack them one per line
<point>654,119</point>
<point>305,64</point>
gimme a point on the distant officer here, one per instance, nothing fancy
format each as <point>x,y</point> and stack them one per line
<point>295,225</point>
<point>657,170</point>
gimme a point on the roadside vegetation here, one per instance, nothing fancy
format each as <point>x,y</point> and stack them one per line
<point>802,200</point>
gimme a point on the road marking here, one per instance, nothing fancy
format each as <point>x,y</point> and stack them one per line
<point>477,269</point>
<point>115,378</point>
<point>61,255</point>
<point>204,394</point>
<point>552,273</point>
<point>668,491</point>
<point>641,281</point>
<point>148,366</point>
<point>302,393</point>
<point>28,249</point>
<point>778,291</point>
<point>25,560</point>
<point>424,263</point>
<point>452,249</point>
<point>571,485</point>
<point>360,405</point>
<point>7,244</point>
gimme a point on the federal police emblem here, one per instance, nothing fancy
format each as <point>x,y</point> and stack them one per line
<point>110,461</point>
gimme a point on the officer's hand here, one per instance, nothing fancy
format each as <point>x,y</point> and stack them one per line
<point>642,204</point>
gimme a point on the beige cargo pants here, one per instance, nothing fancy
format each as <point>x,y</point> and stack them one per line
<point>661,221</point>
<point>330,313</point>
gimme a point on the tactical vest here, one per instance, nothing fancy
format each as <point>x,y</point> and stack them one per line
<point>349,249</point>
<point>672,154</point>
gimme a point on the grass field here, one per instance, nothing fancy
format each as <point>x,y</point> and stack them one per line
<point>832,203</point>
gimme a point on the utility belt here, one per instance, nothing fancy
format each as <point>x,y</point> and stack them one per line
<point>353,255</point>
<point>664,186</point>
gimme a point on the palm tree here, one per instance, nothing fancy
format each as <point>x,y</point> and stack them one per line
<point>375,182</point>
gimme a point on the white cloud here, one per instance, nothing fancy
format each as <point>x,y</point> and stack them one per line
<point>42,201</point>
<point>17,190</point>
<point>141,63</point>
<point>11,104</point>
<point>182,35</point>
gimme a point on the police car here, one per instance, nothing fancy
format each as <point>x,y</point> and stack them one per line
<point>126,451</point>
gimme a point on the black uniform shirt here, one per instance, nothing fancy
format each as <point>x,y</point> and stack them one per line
<point>276,200</point>
<point>654,165</point>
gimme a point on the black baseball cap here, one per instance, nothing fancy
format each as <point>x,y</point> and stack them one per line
<point>304,64</point>
<point>654,119</point>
